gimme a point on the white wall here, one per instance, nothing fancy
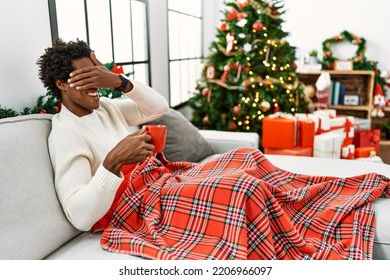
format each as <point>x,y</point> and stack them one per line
<point>311,22</point>
<point>25,33</point>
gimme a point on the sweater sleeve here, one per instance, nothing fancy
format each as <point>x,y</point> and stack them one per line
<point>145,104</point>
<point>85,197</point>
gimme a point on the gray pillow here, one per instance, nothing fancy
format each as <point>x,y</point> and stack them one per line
<point>184,142</point>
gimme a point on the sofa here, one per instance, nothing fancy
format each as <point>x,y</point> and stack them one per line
<point>33,225</point>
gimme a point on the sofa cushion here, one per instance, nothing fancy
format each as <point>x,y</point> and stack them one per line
<point>184,142</point>
<point>32,221</point>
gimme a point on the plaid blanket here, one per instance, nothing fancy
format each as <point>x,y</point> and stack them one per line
<point>240,206</point>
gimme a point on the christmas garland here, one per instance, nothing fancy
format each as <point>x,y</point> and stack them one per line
<point>329,58</point>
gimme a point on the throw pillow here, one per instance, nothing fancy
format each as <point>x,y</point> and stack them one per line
<point>184,142</point>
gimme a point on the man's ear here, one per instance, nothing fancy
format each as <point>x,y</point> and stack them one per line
<point>61,85</point>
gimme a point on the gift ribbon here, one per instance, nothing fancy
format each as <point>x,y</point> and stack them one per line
<point>320,130</point>
<point>374,138</point>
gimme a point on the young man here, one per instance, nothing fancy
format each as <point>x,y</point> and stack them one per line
<point>89,142</point>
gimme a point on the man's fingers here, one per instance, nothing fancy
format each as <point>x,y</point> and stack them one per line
<point>95,60</point>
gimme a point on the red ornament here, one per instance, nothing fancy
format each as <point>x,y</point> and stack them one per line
<point>231,13</point>
<point>42,111</point>
<point>232,126</point>
<point>242,3</point>
<point>275,12</point>
<point>236,109</point>
<point>242,15</point>
<point>206,120</point>
<point>257,25</point>
<point>205,92</point>
<point>222,26</point>
<point>117,69</point>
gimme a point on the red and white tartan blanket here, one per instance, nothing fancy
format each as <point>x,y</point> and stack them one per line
<point>240,206</point>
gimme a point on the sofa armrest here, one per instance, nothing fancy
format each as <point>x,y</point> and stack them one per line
<point>224,141</point>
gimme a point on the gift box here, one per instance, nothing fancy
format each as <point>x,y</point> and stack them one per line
<point>344,126</point>
<point>297,151</point>
<point>306,133</point>
<point>348,152</point>
<point>361,124</point>
<point>368,138</point>
<point>330,113</point>
<point>364,152</point>
<point>328,145</point>
<point>321,123</point>
<point>279,132</point>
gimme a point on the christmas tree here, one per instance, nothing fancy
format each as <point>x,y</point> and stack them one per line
<point>250,72</point>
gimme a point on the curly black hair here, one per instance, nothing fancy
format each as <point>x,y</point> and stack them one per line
<point>56,62</point>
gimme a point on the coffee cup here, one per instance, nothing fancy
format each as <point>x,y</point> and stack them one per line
<point>159,134</point>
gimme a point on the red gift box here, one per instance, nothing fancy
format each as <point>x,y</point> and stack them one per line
<point>279,132</point>
<point>364,152</point>
<point>297,151</point>
<point>368,138</point>
<point>306,133</point>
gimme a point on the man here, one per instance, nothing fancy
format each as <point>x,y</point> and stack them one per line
<point>89,142</point>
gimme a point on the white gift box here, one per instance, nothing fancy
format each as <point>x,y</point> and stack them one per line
<point>340,125</point>
<point>362,124</point>
<point>331,113</point>
<point>328,145</point>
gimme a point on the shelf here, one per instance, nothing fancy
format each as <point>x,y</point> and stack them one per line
<point>350,108</point>
<point>355,82</point>
<point>384,143</point>
<point>334,72</point>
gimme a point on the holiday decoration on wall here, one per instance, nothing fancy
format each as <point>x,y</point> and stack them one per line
<point>358,59</point>
<point>358,62</point>
<point>250,72</point>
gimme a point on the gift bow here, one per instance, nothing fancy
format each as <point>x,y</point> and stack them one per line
<point>374,138</point>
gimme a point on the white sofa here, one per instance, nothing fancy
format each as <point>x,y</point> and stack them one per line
<point>33,225</point>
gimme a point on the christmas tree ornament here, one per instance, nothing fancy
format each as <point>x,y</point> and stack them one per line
<point>206,120</point>
<point>241,23</point>
<point>231,13</point>
<point>247,47</point>
<point>222,26</point>
<point>237,109</point>
<point>118,69</point>
<point>265,106</point>
<point>229,42</point>
<point>257,25</point>
<point>241,15</point>
<point>210,72</point>
<point>243,3</point>
<point>232,126</point>
<point>256,5</point>
<point>205,92</point>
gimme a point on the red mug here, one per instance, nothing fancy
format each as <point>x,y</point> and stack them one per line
<point>159,134</point>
